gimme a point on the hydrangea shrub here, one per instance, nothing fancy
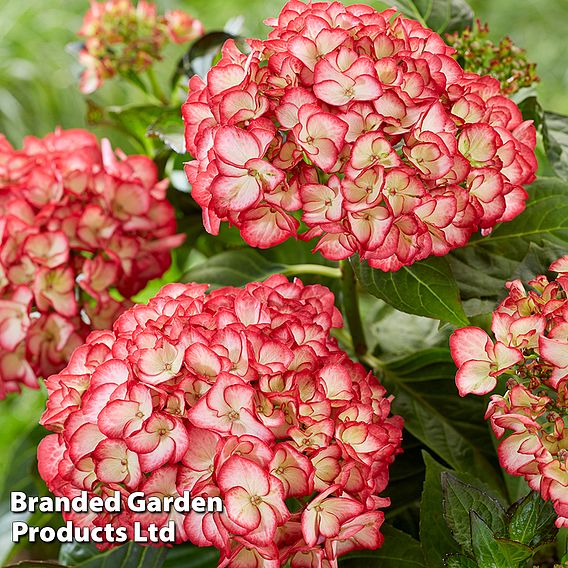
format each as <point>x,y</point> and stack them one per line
<point>357,127</point>
<point>364,134</point>
<point>78,222</point>
<point>242,394</point>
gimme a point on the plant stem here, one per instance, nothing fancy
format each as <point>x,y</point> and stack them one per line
<point>371,361</point>
<point>156,89</point>
<point>351,308</point>
<point>318,269</point>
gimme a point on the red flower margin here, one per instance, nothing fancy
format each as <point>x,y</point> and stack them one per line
<point>77,221</point>
<point>531,351</point>
<point>363,127</point>
<point>240,393</point>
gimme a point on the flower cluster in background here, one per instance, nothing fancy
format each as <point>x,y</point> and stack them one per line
<point>121,38</point>
<point>77,221</point>
<point>530,351</point>
<point>504,61</point>
<point>242,394</point>
<point>357,127</point>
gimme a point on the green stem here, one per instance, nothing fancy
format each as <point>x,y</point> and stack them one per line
<point>351,308</point>
<point>156,89</point>
<point>371,361</point>
<point>318,269</point>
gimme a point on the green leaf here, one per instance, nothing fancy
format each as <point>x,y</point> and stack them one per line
<point>406,477</point>
<point>491,552</point>
<point>134,121</point>
<point>21,475</point>
<point>532,520</point>
<point>531,110</point>
<point>520,248</point>
<point>517,487</point>
<point>190,556</point>
<point>435,537</point>
<point>555,134</point>
<point>459,500</point>
<point>22,472</point>
<point>562,545</point>
<point>168,127</point>
<point>453,427</point>
<point>460,561</point>
<point>23,547</point>
<point>232,268</point>
<point>129,555</point>
<point>442,16</point>
<point>413,332</point>
<point>72,553</point>
<point>202,54</point>
<point>399,549</point>
<point>426,288</point>
<point>34,564</point>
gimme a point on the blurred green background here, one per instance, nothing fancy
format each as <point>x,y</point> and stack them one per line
<point>38,75</point>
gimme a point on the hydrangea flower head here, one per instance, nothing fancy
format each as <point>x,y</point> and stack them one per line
<point>80,226</point>
<point>242,394</point>
<point>359,128</point>
<point>122,38</point>
<point>529,356</point>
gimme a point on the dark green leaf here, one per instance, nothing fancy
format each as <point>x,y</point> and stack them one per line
<point>427,288</point>
<point>460,561</point>
<point>22,473</point>
<point>72,553</point>
<point>520,248</point>
<point>453,427</point>
<point>491,552</point>
<point>399,549</point>
<point>202,54</point>
<point>517,487</point>
<point>435,537</point>
<point>129,555</point>
<point>532,520</point>
<point>531,110</point>
<point>232,268</point>
<point>459,500</point>
<point>443,16</point>
<point>190,556</point>
<point>406,477</point>
<point>413,332</point>
<point>168,127</point>
<point>447,16</point>
<point>34,564</point>
<point>555,133</point>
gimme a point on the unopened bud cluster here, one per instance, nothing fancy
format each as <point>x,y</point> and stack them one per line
<point>121,38</point>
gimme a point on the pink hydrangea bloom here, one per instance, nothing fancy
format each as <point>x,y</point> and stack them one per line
<point>121,37</point>
<point>530,352</point>
<point>359,128</point>
<point>242,394</point>
<point>77,221</point>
